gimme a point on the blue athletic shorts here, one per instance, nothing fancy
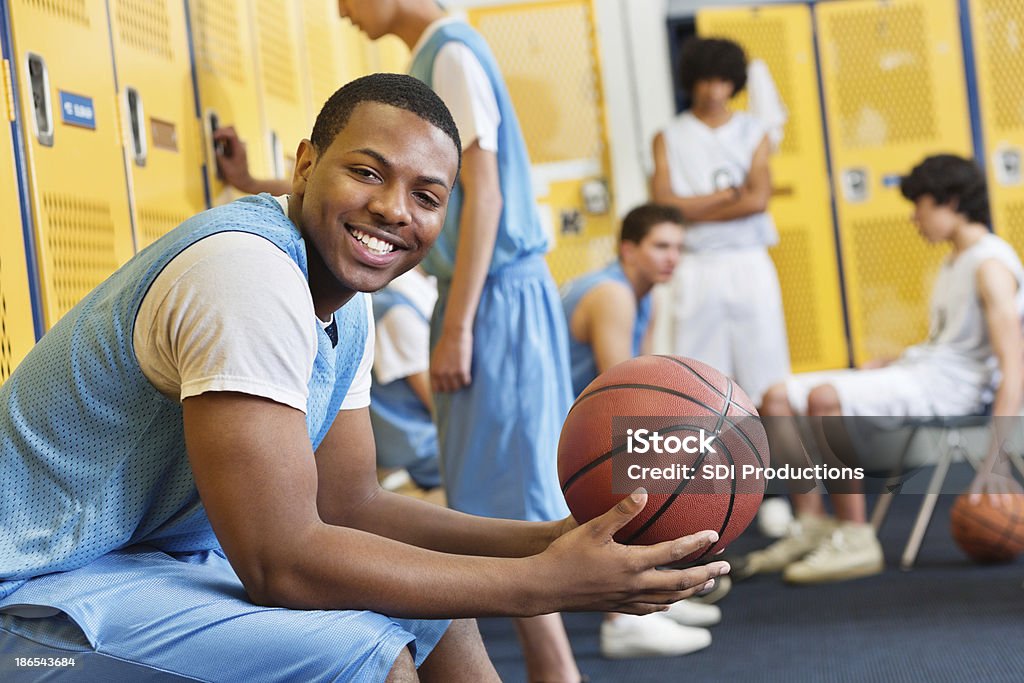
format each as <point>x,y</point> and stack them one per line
<point>140,614</point>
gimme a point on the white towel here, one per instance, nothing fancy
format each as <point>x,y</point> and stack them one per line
<point>764,101</point>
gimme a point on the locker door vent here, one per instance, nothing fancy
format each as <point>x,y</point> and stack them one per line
<point>216,38</point>
<point>145,26</point>
<point>277,52</point>
<point>1002,32</point>
<point>791,256</point>
<point>883,82</point>
<point>74,11</point>
<point>895,269</point>
<point>154,223</point>
<point>79,236</point>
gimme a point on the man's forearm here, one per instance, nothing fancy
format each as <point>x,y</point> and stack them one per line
<point>478,232</point>
<point>437,528</point>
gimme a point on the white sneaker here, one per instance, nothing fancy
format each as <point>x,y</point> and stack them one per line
<point>804,535</point>
<point>774,517</point>
<point>851,552</point>
<point>690,613</point>
<point>653,635</point>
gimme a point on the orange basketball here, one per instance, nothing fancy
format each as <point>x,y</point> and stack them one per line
<point>986,532</point>
<point>685,402</point>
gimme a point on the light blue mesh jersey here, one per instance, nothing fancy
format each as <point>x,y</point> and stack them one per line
<point>520,233</point>
<point>581,356</point>
<point>92,456</point>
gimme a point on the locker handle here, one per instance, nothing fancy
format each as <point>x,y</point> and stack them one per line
<point>214,148</point>
<point>42,106</point>
<point>276,155</point>
<point>137,118</point>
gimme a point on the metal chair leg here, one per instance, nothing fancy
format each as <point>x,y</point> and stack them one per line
<point>924,514</point>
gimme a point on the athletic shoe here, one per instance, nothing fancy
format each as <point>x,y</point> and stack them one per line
<point>850,552</point>
<point>774,517</point>
<point>689,613</point>
<point>652,635</point>
<point>723,584</point>
<point>804,535</point>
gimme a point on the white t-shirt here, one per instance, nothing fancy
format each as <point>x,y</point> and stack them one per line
<point>403,334</point>
<point>186,338</point>
<point>461,82</point>
<point>958,350</point>
<point>703,160</point>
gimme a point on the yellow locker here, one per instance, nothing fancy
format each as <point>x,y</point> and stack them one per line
<point>895,92</point>
<point>16,329</point>
<point>226,77</point>
<point>998,37</point>
<point>163,147</point>
<point>806,256</point>
<point>548,55</point>
<point>284,111</point>
<point>73,147</point>
<point>332,53</point>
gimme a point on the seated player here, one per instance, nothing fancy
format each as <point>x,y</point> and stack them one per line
<point>971,359</point>
<point>609,313</point>
<point>188,465</point>
<point>400,398</point>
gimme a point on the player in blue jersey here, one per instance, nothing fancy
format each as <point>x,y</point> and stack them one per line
<point>188,465</point>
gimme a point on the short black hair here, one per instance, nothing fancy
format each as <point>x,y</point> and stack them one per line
<point>950,180</point>
<point>397,90</point>
<point>706,58</point>
<point>640,220</point>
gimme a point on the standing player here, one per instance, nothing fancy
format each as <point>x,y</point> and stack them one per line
<point>400,398</point>
<point>972,358</point>
<point>713,165</point>
<point>609,314</point>
<point>499,360</point>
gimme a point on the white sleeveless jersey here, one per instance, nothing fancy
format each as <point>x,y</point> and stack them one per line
<point>703,160</point>
<point>958,345</point>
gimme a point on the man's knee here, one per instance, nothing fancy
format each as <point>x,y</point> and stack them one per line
<point>823,400</point>
<point>404,669</point>
<point>776,401</point>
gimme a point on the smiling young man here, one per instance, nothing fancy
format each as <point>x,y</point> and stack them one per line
<point>188,466</point>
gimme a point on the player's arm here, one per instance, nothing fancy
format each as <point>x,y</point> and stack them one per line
<point>647,345</point>
<point>419,382</point>
<point>609,312</point>
<point>452,357</point>
<point>998,290</point>
<point>752,197</point>
<point>259,484</point>
<point>233,163</point>
<point>694,209</point>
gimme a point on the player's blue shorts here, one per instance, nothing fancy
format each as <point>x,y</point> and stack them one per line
<point>498,437</point>
<point>142,615</point>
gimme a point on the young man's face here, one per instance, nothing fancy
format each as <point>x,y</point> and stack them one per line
<point>936,222</point>
<point>373,202</point>
<point>658,253</point>
<point>375,18</point>
<point>712,93</point>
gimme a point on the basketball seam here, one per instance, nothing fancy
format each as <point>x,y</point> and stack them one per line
<point>675,495</point>
<point>703,379</point>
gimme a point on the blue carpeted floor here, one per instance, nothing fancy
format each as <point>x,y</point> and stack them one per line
<point>946,620</point>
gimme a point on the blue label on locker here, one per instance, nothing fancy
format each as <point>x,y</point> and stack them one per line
<point>77,110</point>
